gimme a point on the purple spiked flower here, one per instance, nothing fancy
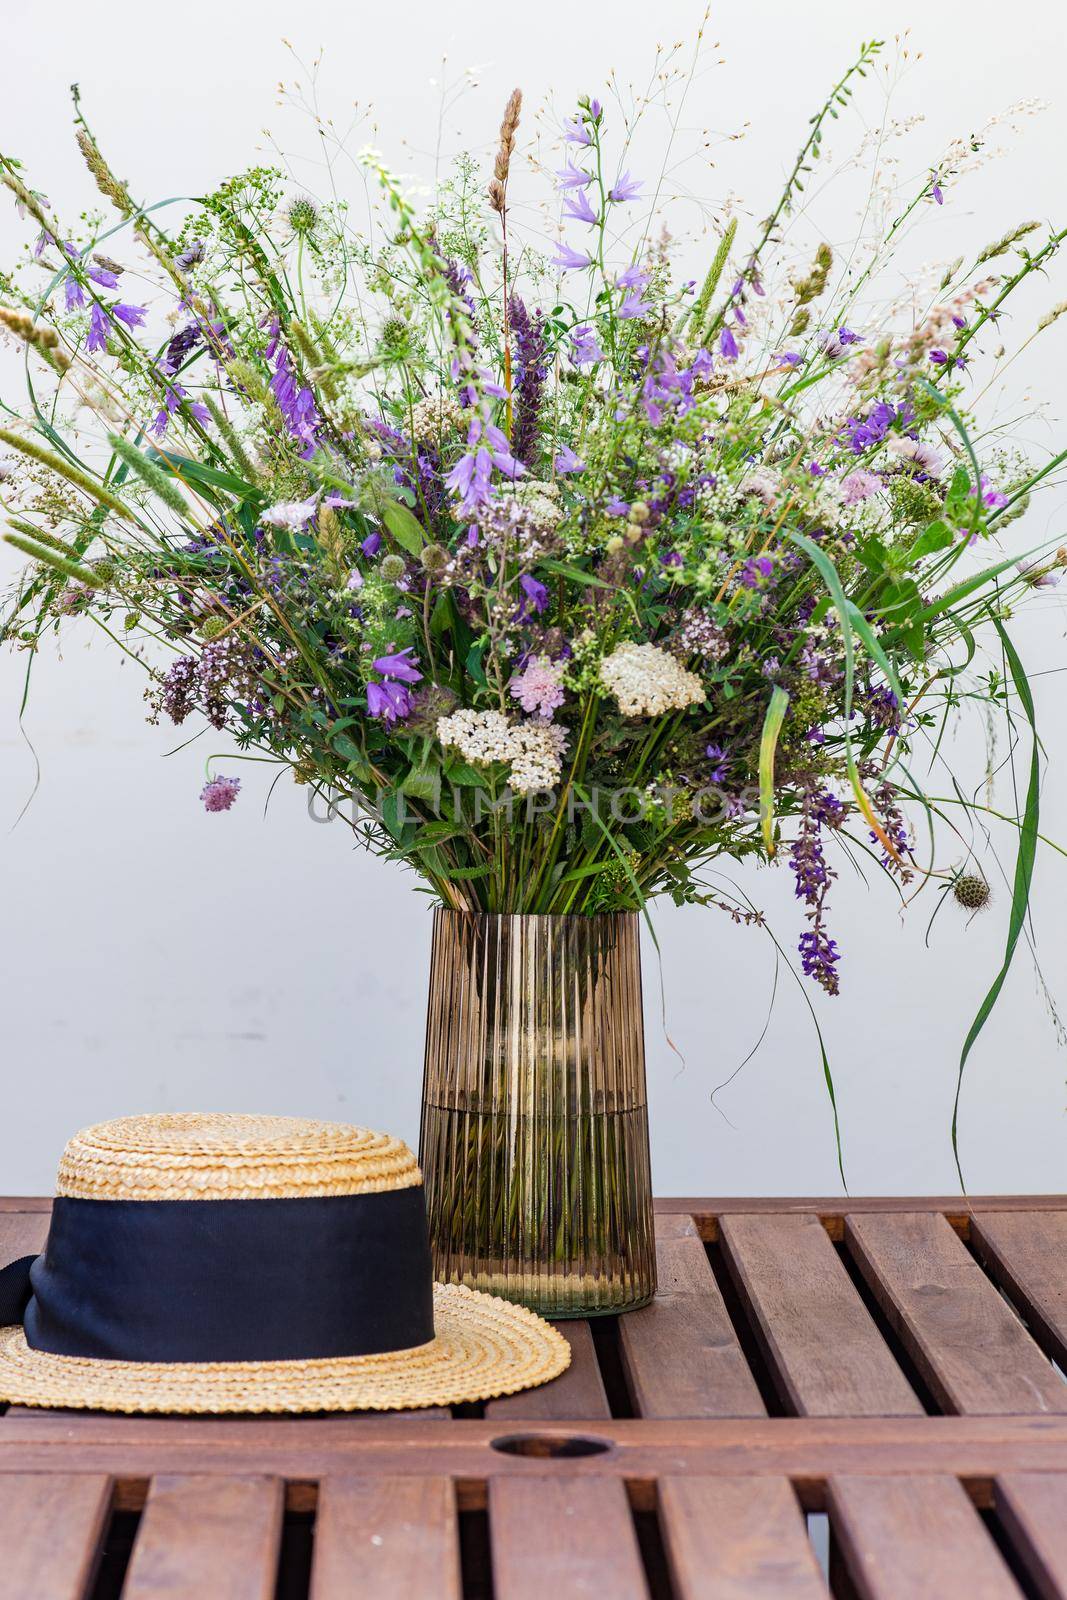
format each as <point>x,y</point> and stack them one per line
<point>531,361</point>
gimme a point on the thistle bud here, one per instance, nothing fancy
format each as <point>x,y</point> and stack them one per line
<point>392,568</point>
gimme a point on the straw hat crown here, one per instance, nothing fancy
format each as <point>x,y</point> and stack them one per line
<point>218,1156</point>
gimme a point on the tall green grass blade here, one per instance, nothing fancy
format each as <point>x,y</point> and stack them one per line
<point>772,727</point>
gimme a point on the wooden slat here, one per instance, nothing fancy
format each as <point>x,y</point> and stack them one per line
<point>1027,1253</point>
<point>204,1536</point>
<point>376,1538</point>
<point>578,1392</point>
<point>681,1354</point>
<point>303,1450</point>
<point>675,1225</point>
<point>820,1341</point>
<point>22,1233</point>
<point>915,1537</point>
<point>737,1539</point>
<point>563,1538</point>
<point>51,1532</point>
<point>1032,1508</point>
<point>969,1346</point>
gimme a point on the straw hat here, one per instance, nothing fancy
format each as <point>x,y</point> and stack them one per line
<point>300,1246</point>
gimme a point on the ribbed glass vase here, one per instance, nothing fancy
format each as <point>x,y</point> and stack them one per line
<point>534,1143</point>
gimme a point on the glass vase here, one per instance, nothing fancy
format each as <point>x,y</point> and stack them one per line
<point>534,1140</point>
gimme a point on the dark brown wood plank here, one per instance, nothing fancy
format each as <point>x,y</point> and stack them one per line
<point>376,1538</point>
<point>737,1539</point>
<point>969,1346</point>
<point>1032,1508</point>
<point>820,1341</point>
<point>305,1450</point>
<point>22,1233</point>
<point>681,1354</point>
<point>578,1392</point>
<point>1027,1253</point>
<point>915,1537</point>
<point>563,1538</point>
<point>51,1532</point>
<point>207,1536</point>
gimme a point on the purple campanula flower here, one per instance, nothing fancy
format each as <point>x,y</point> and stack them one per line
<point>617,507</point>
<point>845,336</point>
<point>756,571</point>
<point>192,254</point>
<point>104,277</point>
<point>935,188</point>
<point>371,544</point>
<point>727,345</point>
<point>718,758</point>
<point>132,316</point>
<point>624,189</point>
<point>572,177</point>
<point>577,207</point>
<point>634,306</point>
<point>567,461</point>
<point>788,358</point>
<point>99,323</point>
<point>534,600</point>
<point>571,260</point>
<point>73,294</point>
<point>584,347</point>
<point>220,793</point>
<point>398,666</point>
<point>389,701</point>
<point>634,277</point>
<point>575,131</point>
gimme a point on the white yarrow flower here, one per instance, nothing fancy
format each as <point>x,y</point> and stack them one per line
<point>647,681</point>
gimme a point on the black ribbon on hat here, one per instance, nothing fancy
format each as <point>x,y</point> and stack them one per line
<point>227,1280</point>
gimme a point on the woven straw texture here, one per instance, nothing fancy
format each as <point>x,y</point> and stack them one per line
<point>218,1157</point>
<point>482,1348</point>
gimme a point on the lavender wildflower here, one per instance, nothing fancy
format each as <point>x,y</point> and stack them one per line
<point>220,793</point>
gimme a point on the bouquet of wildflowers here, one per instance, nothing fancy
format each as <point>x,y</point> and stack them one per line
<point>562,577</point>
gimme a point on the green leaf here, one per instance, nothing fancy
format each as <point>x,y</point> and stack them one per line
<point>197,472</point>
<point>432,834</point>
<point>349,751</point>
<point>1024,873</point>
<point>405,528</point>
<point>937,536</point>
<point>463,775</point>
<point>576,574</point>
<point>424,783</point>
<point>772,726</point>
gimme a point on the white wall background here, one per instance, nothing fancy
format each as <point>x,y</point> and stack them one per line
<point>152,957</point>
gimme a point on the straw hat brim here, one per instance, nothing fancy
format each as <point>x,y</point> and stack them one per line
<point>482,1348</point>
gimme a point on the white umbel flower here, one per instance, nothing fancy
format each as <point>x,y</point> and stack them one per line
<point>533,750</point>
<point>646,680</point>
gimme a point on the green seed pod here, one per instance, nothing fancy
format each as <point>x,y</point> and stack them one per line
<point>212,627</point>
<point>131,620</point>
<point>434,558</point>
<point>392,568</point>
<point>971,892</point>
<point>303,214</point>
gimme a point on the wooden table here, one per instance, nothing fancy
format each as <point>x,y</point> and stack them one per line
<point>869,1388</point>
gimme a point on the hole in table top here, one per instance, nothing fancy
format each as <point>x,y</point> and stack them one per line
<point>115,1555</point>
<point>550,1446</point>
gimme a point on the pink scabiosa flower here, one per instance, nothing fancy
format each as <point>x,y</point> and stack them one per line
<point>538,688</point>
<point>220,793</point>
<point>859,485</point>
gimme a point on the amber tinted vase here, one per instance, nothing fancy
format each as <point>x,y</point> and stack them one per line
<point>534,1140</point>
